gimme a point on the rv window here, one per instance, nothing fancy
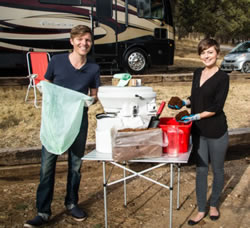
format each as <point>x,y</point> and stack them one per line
<point>152,9</point>
<point>63,2</point>
<point>104,9</point>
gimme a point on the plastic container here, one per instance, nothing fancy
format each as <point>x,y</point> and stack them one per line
<point>178,136</point>
<point>104,122</point>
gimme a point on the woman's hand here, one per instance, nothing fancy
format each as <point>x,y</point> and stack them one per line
<point>176,103</point>
<point>190,118</point>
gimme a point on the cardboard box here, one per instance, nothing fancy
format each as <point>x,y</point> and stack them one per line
<point>115,81</point>
<point>134,143</point>
<point>132,82</point>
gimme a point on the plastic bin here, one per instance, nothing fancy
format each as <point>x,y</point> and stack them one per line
<point>178,135</point>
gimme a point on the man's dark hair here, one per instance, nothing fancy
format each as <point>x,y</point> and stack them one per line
<point>79,30</point>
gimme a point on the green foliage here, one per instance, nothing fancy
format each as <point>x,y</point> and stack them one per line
<point>224,19</point>
<point>183,17</point>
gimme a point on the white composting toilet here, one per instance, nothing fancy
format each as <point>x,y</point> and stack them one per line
<point>125,107</point>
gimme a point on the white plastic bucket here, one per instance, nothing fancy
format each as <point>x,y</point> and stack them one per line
<point>105,122</point>
<point>103,141</point>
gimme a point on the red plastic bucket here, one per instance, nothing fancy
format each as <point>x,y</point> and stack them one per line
<point>178,134</point>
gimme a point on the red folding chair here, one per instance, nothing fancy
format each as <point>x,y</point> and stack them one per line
<point>37,65</point>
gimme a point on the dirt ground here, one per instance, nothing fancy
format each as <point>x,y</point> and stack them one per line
<point>148,204</point>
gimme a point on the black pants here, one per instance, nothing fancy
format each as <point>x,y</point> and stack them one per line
<point>215,150</point>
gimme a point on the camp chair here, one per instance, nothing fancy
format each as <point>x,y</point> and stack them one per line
<point>37,63</point>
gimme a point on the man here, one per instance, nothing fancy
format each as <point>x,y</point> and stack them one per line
<point>72,71</point>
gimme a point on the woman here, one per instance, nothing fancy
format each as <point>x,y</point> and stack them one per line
<point>209,129</point>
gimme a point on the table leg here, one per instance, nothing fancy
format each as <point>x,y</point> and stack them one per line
<point>125,186</point>
<point>105,194</point>
<point>178,186</point>
<point>171,196</point>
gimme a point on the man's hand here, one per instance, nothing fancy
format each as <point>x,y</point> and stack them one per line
<point>95,99</point>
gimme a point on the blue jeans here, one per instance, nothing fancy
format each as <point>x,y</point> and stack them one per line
<point>47,172</point>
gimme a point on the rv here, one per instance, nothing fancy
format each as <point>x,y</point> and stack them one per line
<point>129,35</point>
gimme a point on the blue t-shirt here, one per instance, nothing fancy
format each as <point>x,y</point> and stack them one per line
<point>61,72</point>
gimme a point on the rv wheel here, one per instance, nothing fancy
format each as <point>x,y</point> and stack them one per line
<point>135,61</point>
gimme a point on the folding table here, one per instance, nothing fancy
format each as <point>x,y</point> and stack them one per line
<point>161,161</point>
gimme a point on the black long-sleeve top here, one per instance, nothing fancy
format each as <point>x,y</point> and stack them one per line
<point>211,97</point>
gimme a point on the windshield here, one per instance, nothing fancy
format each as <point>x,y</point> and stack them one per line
<point>152,9</point>
<point>242,47</point>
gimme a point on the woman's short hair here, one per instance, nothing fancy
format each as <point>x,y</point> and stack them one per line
<point>80,30</point>
<point>207,43</point>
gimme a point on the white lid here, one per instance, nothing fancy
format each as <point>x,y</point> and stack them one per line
<point>117,89</point>
<point>125,92</point>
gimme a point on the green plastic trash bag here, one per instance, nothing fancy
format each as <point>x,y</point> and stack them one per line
<point>62,111</point>
<point>124,79</point>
